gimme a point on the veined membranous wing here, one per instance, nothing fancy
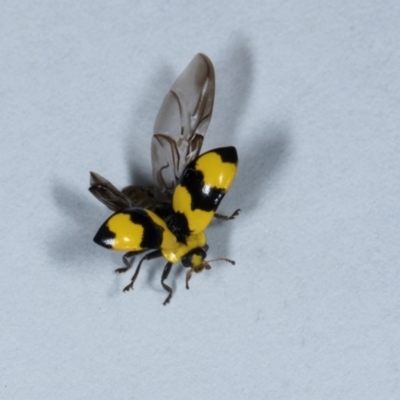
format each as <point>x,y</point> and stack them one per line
<point>181,124</point>
<point>179,129</point>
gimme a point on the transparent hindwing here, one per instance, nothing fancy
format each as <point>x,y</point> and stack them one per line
<point>181,124</point>
<point>178,135</point>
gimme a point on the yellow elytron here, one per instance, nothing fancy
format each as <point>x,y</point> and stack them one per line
<point>171,219</point>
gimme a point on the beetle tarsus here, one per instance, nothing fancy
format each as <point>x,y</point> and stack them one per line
<point>128,287</point>
<point>168,289</point>
<point>188,277</point>
<point>226,218</point>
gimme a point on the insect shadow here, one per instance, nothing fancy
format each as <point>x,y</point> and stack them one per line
<point>70,245</point>
<point>259,167</point>
<point>266,149</point>
<point>262,162</point>
<point>235,76</point>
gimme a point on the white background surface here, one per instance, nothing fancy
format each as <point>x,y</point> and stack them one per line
<point>308,92</point>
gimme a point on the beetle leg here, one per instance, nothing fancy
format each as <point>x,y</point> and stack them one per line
<point>226,218</point>
<point>148,256</point>
<point>188,276</point>
<point>127,259</point>
<point>167,270</point>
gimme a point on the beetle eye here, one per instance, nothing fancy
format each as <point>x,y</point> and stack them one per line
<point>187,261</point>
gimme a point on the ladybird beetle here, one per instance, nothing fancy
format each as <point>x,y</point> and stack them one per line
<point>169,219</point>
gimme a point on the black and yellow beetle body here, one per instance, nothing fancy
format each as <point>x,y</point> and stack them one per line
<point>169,219</point>
<point>180,237</point>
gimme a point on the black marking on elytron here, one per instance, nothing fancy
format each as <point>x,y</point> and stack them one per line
<point>206,200</point>
<point>152,233</point>
<point>227,154</point>
<point>179,226</point>
<point>163,210</point>
<point>104,237</point>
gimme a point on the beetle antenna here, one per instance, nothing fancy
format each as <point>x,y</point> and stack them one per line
<point>205,265</point>
<point>222,259</point>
